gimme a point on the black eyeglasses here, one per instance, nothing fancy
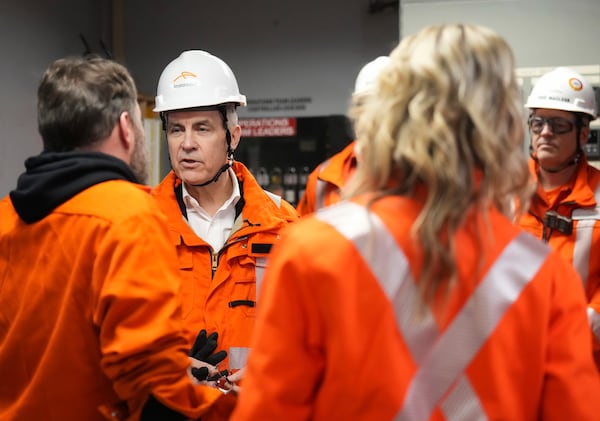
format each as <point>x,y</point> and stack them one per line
<point>558,125</point>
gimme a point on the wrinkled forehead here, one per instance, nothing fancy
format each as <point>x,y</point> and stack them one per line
<point>206,113</point>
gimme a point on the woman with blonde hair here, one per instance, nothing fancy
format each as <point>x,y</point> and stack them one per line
<point>417,298</point>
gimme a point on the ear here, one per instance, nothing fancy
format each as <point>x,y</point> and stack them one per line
<point>126,133</point>
<point>236,135</point>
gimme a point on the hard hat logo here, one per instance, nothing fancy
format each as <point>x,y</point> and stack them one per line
<point>186,79</point>
<point>575,84</point>
<point>184,75</point>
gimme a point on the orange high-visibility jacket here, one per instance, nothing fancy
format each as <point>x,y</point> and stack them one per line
<point>219,286</point>
<point>90,320</point>
<point>325,181</point>
<point>579,202</point>
<point>340,335</point>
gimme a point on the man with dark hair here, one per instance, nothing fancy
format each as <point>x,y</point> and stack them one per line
<point>90,323</point>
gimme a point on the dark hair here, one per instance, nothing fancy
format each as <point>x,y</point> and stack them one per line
<point>80,100</point>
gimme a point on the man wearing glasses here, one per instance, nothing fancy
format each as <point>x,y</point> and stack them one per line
<point>565,209</point>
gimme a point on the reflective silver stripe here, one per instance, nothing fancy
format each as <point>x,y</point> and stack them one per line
<point>463,404</point>
<point>594,318</point>
<point>275,198</point>
<point>320,188</point>
<point>390,266</point>
<point>581,249</point>
<point>472,326</point>
<point>586,219</point>
<point>259,270</point>
<point>238,357</point>
<point>420,333</point>
<point>444,358</point>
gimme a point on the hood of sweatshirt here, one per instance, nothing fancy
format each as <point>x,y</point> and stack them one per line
<point>52,178</point>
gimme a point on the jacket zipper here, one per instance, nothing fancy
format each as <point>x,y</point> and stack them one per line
<point>214,257</point>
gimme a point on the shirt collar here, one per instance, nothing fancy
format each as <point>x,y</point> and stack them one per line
<point>192,203</point>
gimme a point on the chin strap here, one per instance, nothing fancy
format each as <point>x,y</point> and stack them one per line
<point>223,110</point>
<point>217,175</point>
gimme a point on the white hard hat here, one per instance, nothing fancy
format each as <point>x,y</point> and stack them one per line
<point>365,81</point>
<point>563,89</point>
<point>196,79</point>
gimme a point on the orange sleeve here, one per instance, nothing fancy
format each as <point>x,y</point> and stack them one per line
<point>572,382</point>
<point>143,350</point>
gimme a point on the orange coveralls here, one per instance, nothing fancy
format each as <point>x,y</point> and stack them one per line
<point>219,286</point>
<point>339,335</point>
<point>325,181</point>
<point>580,202</point>
<point>90,325</point>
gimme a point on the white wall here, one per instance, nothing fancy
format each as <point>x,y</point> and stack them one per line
<point>541,32</point>
<point>32,34</point>
<point>277,49</point>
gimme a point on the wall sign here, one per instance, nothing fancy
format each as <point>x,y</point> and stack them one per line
<point>268,127</point>
<point>278,104</point>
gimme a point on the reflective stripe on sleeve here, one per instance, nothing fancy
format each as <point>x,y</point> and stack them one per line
<point>320,188</point>
<point>594,318</point>
<point>238,357</point>
<point>586,219</point>
<point>259,270</point>
<point>441,359</point>
<point>275,198</point>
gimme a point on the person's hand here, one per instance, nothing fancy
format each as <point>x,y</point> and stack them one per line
<point>203,372</point>
<point>229,383</point>
<point>237,376</point>
<point>204,346</point>
<point>204,362</point>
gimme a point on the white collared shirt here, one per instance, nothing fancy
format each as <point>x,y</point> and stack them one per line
<point>215,230</point>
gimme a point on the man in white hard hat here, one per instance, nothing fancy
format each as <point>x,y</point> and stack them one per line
<point>565,209</point>
<point>222,222</point>
<point>325,181</point>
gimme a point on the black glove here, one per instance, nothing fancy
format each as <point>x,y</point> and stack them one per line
<point>200,373</point>
<point>205,346</point>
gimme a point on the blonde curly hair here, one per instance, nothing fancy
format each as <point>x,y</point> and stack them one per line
<point>446,117</point>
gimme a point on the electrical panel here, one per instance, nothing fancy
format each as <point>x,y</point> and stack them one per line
<point>281,154</point>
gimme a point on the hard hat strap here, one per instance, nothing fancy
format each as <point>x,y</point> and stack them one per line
<point>224,168</point>
<point>223,110</point>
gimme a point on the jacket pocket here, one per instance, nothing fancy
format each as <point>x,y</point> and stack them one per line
<point>242,301</point>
